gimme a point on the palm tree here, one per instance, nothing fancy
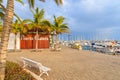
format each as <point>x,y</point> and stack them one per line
<point>59,27</point>
<point>15,28</point>
<point>46,27</point>
<point>5,34</point>
<point>20,26</point>
<point>37,23</point>
<point>25,26</point>
<point>41,25</point>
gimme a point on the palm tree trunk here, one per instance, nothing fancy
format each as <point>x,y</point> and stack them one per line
<point>15,43</point>
<point>5,36</point>
<point>37,40</point>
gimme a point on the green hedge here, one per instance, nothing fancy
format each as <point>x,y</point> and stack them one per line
<point>76,46</point>
<point>15,72</point>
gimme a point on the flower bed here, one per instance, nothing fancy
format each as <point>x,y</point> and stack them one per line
<point>15,72</point>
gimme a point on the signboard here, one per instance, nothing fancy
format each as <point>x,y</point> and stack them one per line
<point>29,41</point>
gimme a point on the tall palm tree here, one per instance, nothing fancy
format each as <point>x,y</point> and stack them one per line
<point>20,26</point>
<point>40,25</point>
<point>37,23</point>
<point>47,28</point>
<point>15,28</point>
<point>59,27</point>
<point>5,34</point>
<point>25,26</point>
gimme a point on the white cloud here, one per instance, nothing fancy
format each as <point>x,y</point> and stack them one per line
<point>100,16</point>
<point>94,5</point>
<point>65,3</point>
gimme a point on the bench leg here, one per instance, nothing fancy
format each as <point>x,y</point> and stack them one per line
<point>24,64</point>
<point>44,73</point>
<point>41,74</point>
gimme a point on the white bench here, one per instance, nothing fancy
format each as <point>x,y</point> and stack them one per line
<point>31,63</point>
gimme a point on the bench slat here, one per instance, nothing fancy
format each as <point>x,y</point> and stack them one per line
<point>42,69</point>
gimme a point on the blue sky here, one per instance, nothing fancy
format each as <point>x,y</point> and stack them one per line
<point>83,16</point>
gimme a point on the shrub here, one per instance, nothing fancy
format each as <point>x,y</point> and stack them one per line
<point>76,46</point>
<point>15,72</point>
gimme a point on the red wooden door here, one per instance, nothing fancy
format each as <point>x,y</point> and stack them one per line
<point>43,41</point>
<point>29,42</point>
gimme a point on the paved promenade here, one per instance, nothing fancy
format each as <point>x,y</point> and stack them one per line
<point>71,64</point>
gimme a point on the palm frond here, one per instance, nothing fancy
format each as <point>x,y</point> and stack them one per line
<point>41,13</point>
<point>1,1</point>
<point>31,3</point>
<point>60,26</point>
<point>42,0</point>
<point>38,15</point>
<point>65,31</point>
<point>15,28</point>
<point>55,22</point>
<point>1,14</point>
<point>18,18</point>
<point>64,26</point>
<point>32,11</point>
<point>27,21</point>
<point>60,19</point>
<point>20,1</point>
<point>58,2</point>
<point>46,23</point>
<point>2,7</point>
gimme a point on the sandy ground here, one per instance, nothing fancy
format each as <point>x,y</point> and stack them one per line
<point>71,64</point>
